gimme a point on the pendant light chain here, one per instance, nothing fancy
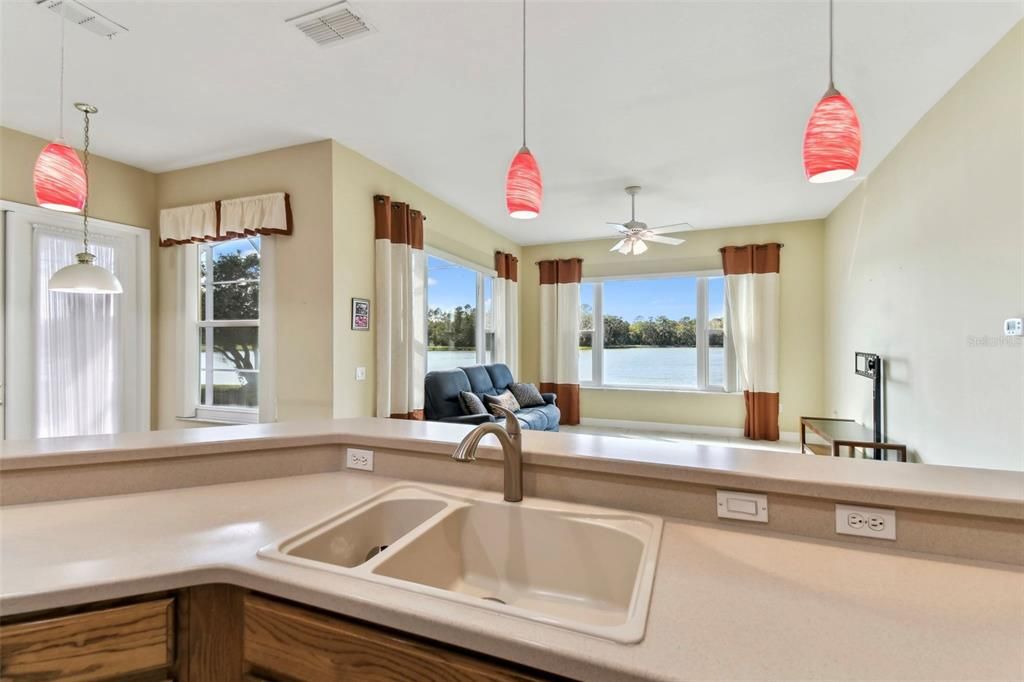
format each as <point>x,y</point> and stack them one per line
<point>831,79</point>
<point>524,73</point>
<point>60,92</point>
<point>85,165</point>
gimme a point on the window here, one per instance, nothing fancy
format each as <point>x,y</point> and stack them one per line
<point>230,276</point>
<point>456,335</point>
<point>665,331</point>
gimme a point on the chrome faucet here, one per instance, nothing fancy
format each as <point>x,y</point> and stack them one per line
<point>511,440</point>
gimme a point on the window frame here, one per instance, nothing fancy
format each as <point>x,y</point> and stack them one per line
<point>480,331</point>
<point>702,347</point>
<point>193,409</point>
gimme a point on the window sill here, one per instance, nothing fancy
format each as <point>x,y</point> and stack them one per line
<point>657,389</point>
<point>207,420</point>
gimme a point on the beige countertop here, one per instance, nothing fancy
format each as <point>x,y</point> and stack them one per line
<point>727,604</point>
<point>940,488</point>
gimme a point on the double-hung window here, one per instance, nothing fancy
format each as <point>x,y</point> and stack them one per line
<point>460,314</point>
<point>663,332</point>
<point>230,278</point>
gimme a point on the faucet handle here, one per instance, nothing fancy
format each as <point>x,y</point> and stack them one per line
<point>511,421</point>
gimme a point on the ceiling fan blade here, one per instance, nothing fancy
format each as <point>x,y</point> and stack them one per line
<point>675,227</point>
<point>617,246</point>
<point>664,240</point>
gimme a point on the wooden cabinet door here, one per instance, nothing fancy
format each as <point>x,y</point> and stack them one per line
<point>287,642</point>
<point>96,645</point>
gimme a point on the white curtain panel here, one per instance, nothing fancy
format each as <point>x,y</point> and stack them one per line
<point>753,301</point>
<point>559,333</point>
<point>401,285</point>
<point>505,306</point>
<point>78,368</point>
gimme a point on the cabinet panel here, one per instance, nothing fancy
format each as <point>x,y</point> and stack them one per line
<point>293,643</point>
<point>96,645</point>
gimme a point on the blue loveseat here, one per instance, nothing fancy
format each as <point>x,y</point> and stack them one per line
<point>441,397</point>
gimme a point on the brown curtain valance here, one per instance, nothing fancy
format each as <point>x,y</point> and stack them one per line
<point>397,222</point>
<point>561,271</point>
<point>752,259</point>
<point>213,221</point>
<point>507,266</point>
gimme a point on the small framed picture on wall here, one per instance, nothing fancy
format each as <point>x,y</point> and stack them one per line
<point>361,314</point>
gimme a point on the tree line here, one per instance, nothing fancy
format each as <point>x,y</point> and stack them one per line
<point>651,331</point>
<point>452,329</point>
<point>456,330</point>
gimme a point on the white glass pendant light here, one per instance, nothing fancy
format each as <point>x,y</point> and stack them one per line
<point>85,277</point>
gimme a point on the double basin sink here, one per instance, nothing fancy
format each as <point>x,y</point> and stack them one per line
<point>580,568</point>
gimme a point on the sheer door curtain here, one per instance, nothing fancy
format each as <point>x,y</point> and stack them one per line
<point>78,369</point>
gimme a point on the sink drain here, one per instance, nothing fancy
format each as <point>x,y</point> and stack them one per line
<point>374,551</point>
<point>495,599</point>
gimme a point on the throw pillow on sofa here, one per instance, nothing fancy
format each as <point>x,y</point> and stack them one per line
<point>527,395</point>
<point>471,403</point>
<point>506,400</point>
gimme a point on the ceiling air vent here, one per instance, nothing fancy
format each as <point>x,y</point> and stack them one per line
<point>85,16</point>
<point>333,24</point>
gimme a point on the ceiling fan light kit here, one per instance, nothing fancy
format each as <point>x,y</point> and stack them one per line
<point>832,138</point>
<point>635,233</point>
<point>524,189</point>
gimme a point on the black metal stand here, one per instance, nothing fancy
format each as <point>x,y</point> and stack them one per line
<point>870,365</point>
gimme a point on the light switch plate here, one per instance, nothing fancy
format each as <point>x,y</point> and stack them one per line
<point>744,506</point>
<point>360,374</point>
<point>359,459</point>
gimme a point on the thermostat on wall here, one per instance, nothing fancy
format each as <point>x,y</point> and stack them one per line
<point>1014,327</point>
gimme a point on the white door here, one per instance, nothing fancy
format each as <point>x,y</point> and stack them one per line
<point>75,364</point>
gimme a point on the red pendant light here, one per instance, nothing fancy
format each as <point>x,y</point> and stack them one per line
<point>832,137</point>
<point>58,176</point>
<point>524,190</point>
<point>59,179</point>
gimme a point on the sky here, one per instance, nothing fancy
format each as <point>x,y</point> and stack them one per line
<point>450,285</point>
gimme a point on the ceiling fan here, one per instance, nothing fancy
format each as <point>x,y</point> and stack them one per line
<point>635,233</point>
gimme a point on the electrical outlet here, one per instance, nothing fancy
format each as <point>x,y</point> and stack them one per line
<point>359,459</point>
<point>866,522</point>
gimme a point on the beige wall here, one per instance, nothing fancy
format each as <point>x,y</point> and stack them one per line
<point>356,180</point>
<point>120,194</point>
<point>303,276</point>
<point>326,262</point>
<point>925,259</point>
<point>801,362</point>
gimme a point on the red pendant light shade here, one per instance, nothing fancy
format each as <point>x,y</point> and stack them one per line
<point>524,191</point>
<point>832,140</point>
<point>59,179</point>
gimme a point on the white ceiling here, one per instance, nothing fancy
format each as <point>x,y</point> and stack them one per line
<point>702,103</point>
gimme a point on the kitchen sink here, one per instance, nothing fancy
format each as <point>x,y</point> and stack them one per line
<point>587,569</point>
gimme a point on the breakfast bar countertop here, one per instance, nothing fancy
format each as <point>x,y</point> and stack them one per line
<point>727,603</point>
<point>963,490</point>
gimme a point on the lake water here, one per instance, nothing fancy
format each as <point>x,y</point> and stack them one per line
<point>622,366</point>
